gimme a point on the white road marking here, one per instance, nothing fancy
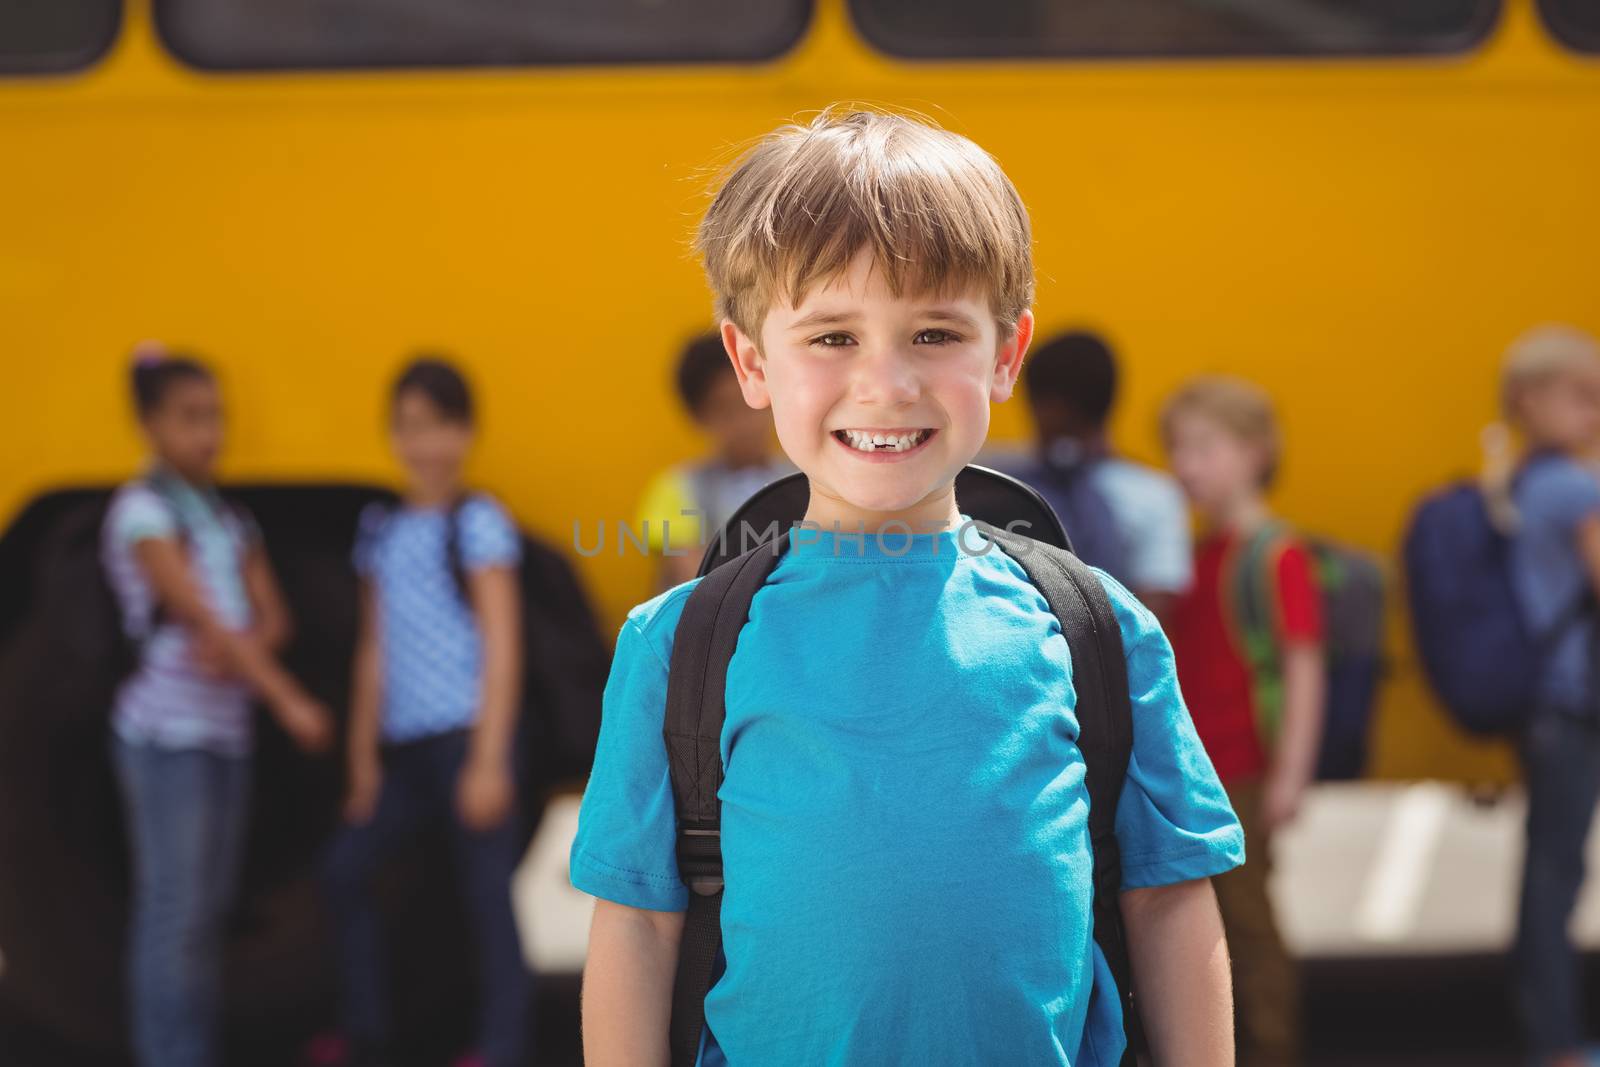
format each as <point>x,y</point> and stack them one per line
<point>1387,911</point>
<point>552,917</point>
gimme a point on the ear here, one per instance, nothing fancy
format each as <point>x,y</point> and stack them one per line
<point>1516,405</point>
<point>1266,469</point>
<point>748,364</point>
<point>1008,359</point>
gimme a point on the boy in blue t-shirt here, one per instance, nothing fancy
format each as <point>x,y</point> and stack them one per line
<point>904,816</point>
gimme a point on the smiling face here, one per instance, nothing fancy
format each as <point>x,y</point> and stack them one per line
<point>879,398</point>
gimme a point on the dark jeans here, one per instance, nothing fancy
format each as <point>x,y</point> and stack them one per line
<point>1561,766</point>
<point>419,788</point>
<point>187,812</point>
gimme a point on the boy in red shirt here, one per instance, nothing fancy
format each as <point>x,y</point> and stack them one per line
<point>1248,643</point>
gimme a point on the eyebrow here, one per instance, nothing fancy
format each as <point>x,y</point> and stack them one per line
<point>823,317</point>
<point>950,315</point>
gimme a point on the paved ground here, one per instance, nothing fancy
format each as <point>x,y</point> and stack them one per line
<point>1399,899</point>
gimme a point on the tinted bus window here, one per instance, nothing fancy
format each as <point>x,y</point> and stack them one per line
<point>48,36</point>
<point>1088,28</point>
<point>270,34</point>
<point>1576,22</point>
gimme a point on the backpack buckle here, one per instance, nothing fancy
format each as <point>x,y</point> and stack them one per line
<point>700,860</point>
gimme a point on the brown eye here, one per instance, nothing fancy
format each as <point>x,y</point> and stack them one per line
<point>831,340</point>
<point>936,337</point>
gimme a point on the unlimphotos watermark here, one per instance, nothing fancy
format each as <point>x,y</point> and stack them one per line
<point>972,537</point>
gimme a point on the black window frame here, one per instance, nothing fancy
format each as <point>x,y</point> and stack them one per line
<point>160,19</point>
<point>1469,39</point>
<point>75,62</point>
<point>1581,39</point>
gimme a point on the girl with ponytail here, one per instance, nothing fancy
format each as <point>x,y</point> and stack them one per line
<point>200,603</point>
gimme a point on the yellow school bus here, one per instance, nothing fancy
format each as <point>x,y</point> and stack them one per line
<point>1356,202</point>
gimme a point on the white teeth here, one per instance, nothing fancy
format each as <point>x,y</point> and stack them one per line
<point>894,442</point>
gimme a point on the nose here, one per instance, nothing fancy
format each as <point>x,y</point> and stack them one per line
<point>886,376</point>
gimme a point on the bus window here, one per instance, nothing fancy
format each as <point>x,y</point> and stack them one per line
<point>930,29</point>
<point>1576,22</point>
<point>56,35</point>
<point>279,34</point>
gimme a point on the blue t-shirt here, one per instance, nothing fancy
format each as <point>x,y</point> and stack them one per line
<point>432,654</point>
<point>1553,496</point>
<point>1153,518</point>
<point>904,816</point>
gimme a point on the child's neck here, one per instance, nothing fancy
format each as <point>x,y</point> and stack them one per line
<point>738,461</point>
<point>1087,443</point>
<point>1242,516</point>
<point>432,496</point>
<point>162,467</point>
<point>1533,446</point>
<point>936,512</point>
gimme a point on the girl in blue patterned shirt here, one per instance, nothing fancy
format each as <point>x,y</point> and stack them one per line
<point>433,712</point>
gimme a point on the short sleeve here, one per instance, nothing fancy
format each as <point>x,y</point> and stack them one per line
<point>1174,822</point>
<point>368,528</point>
<point>625,848</point>
<point>489,538</point>
<point>1156,529</point>
<point>665,500</point>
<point>1558,492</point>
<point>140,515</point>
<point>1299,605</point>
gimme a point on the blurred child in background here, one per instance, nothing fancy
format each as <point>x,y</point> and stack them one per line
<point>743,459</point>
<point>1550,392</point>
<point>1261,733</point>
<point>1123,517</point>
<point>201,605</point>
<point>433,713</point>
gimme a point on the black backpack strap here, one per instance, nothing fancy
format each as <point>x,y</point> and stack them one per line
<point>452,548</point>
<point>1105,734</point>
<point>706,635</point>
<point>159,486</point>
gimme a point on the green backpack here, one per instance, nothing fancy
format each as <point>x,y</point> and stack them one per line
<point>1351,585</point>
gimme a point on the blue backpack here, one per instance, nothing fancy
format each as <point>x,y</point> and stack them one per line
<point>1480,655</point>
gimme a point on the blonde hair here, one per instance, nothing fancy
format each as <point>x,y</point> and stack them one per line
<point>1540,354</point>
<point>936,211</point>
<point>1240,407</point>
